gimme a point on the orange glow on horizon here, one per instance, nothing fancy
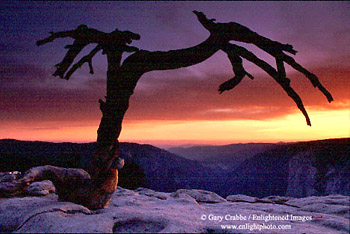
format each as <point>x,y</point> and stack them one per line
<point>289,128</point>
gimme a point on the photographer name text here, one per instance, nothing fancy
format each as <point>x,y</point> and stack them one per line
<point>255,217</point>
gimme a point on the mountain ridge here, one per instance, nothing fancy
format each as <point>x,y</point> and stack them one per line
<point>271,171</point>
<point>279,170</point>
<point>163,171</point>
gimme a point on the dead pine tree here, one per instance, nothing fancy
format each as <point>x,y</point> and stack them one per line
<point>93,188</point>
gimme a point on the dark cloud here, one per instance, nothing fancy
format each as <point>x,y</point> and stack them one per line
<point>12,71</point>
<point>30,93</point>
<point>36,105</point>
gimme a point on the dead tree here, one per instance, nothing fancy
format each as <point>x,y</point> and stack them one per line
<point>93,188</point>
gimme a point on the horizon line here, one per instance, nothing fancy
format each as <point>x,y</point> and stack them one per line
<point>170,144</point>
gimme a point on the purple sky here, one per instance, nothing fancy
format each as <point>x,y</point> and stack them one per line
<point>319,31</point>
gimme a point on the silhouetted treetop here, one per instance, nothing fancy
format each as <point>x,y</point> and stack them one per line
<point>220,36</point>
<point>82,35</point>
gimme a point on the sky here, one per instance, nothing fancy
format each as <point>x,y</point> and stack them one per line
<point>182,106</point>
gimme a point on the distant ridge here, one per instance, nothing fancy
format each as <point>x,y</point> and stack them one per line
<point>163,171</point>
<point>233,153</point>
<point>298,169</point>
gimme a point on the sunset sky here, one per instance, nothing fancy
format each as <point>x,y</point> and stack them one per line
<point>182,106</point>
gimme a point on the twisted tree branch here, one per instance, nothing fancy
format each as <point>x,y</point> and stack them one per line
<point>282,81</point>
<point>68,59</point>
<point>238,32</point>
<point>85,59</point>
<point>82,35</point>
<point>238,69</point>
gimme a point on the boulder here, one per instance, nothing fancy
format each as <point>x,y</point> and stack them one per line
<point>241,198</point>
<point>41,188</point>
<point>200,195</point>
<point>152,193</point>
<point>9,176</point>
<point>14,210</point>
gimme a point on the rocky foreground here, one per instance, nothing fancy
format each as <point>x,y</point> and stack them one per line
<point>196,211</point>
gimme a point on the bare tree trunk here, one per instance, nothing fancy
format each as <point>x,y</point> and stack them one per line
<point>105,162</point>
<point>121,82</point>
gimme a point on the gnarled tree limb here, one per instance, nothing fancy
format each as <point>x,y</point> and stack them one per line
<point>85,59</point>
<point>237,32</point>
<point>282,81</point>
<point>312,77</point>
<point>68,59</point>
<point>115,41</point>
<point>238,69</point>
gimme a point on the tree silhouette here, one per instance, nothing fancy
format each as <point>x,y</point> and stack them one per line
<point>93,188</point>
